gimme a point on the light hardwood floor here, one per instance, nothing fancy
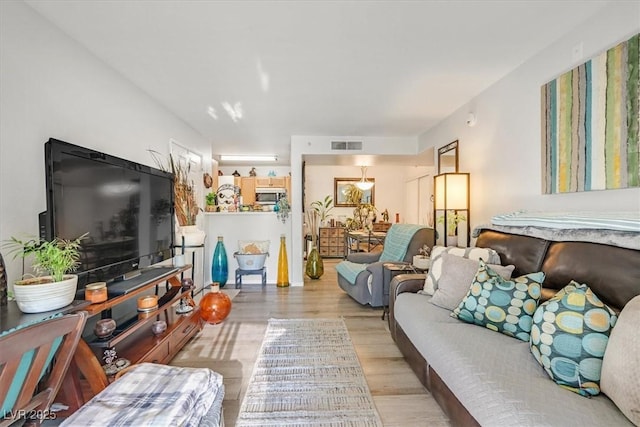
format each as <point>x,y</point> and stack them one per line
<point>231,348</point>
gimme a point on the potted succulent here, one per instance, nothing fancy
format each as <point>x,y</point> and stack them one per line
<point>210,202</point>
<point>422,260</point>
<point>52,287</point>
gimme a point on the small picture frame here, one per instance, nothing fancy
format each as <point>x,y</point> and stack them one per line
<point>341,191</point>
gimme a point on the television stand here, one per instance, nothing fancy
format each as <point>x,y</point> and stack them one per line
<point>134,339</point>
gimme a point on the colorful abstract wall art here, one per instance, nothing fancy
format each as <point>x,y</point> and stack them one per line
<point>591,124</point>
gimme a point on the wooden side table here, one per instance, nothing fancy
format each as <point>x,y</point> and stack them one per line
<point>389,271</point>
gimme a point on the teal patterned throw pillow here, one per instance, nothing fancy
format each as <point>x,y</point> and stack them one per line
<point>501,305</point>
<point>569,336</point>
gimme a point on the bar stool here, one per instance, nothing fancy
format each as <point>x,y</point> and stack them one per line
<point>240,272</point>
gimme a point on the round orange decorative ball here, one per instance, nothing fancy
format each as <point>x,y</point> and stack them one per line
<point>215,307</point>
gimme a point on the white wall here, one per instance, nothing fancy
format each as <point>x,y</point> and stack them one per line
<point>503,150</point>
<point>50,86</point>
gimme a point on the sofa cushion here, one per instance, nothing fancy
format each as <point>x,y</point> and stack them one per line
<point>620,377</point>
<point>501,305</point>
<point>569,337</point>
<point>435,270</point>
<point>494,376</point>
<point>457,275</point>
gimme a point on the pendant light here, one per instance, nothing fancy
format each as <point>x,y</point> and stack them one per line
<point>363,184</point>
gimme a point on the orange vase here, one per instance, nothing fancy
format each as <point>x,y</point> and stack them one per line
<point>283,264</point>
<point>215,306</point>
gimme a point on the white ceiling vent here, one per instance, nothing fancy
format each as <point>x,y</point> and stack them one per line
<point>346,145</point>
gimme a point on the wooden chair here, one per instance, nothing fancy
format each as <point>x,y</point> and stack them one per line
<point>29,381</point>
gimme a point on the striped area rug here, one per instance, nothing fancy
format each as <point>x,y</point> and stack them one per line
<point>307,373</point>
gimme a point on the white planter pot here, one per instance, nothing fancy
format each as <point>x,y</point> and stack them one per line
<point>41,297</point>
<point>193,236</point>
<point>452,240</point>
<point>421,262</point>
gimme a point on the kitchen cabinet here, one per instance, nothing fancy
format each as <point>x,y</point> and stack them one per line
<point>271,182</point>
<point>248,190</point>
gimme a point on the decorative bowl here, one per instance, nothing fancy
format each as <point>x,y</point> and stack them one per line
<point>158,327</point>
<point>250,261</point>
<point>104,328</point>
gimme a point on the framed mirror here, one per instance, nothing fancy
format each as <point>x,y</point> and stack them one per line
<point>346,194</point>
<point>448,158</point>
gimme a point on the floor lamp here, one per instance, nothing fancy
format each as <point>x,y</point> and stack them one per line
<point>451,208</point>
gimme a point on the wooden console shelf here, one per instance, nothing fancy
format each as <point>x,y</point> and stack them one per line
<point>133,339</point>
<point>172,278</point>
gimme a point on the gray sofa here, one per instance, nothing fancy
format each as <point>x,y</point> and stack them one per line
<point>480,377</point>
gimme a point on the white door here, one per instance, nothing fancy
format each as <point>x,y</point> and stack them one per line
<point>419,207</point>
<point>412,203</point>
<point>425,205</point>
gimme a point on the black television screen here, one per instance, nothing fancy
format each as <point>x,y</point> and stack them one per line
<point>126,207</point>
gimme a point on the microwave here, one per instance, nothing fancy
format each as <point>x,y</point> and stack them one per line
<point>269,195</point>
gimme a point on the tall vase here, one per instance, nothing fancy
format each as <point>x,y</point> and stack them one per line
<point>219,264</point>
<point>315,265</point>
<point>283,264</point>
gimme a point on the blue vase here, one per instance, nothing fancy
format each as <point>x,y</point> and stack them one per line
<point>219,264</point>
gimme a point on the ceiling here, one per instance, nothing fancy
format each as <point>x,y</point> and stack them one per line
<point>352,68</point>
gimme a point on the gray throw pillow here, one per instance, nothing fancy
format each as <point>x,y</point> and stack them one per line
<point>488,255</point>
<point>456,278</point>
<point>621,362</point>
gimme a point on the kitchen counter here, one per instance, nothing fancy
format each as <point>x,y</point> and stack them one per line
<point>234,226</point>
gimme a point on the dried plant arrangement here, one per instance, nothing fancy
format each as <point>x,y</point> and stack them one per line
<point>185,203</point>
<point>312,224</point>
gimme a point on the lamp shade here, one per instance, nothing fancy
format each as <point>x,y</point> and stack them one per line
<point>364,184</point>
<point>451,191</point>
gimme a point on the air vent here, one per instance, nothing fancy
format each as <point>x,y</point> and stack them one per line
<point>346,145</point>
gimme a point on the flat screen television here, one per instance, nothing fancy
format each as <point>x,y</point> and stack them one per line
<point>126,207</point>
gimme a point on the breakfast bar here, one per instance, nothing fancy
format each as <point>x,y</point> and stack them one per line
<point>235,226</point>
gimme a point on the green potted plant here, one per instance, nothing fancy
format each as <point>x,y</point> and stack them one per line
<point>453,219</point>
<point>323,207</point>
<point>210,202</point>
<point>52,287</point>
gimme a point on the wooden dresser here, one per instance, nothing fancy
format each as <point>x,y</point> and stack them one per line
<point>331,242</point>
<point>381,226</point>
